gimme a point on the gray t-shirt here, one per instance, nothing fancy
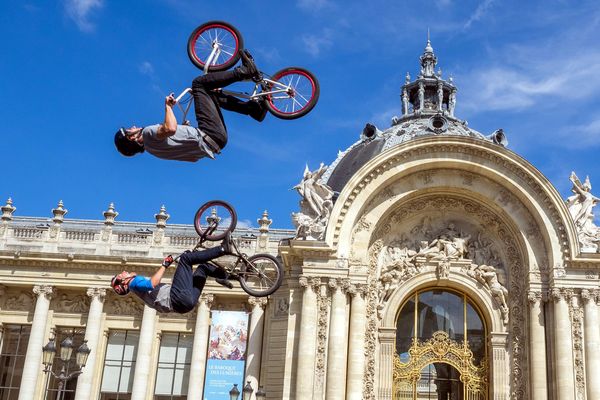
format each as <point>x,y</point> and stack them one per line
<point>158,298</point>
<point>185,145</point>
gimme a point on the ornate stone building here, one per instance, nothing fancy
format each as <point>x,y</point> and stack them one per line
<point>429,261</point>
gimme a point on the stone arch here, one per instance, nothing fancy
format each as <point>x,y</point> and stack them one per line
<point>351,223</point>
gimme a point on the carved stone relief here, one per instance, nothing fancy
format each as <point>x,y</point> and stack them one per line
<point>576,315</point>
<point>486,252</point>
<point>71,303</point>
<point>124,305</point>
<point>19,301</point>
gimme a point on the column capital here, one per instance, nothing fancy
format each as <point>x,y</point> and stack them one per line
<point>257,301</point>
<point>587,295</point>
<point>44,290</point>
<point>558,294</point>
<point>100,293</point>
<point>207,299</point>
<point>357,289</point>
<point>534,297</point>
<point>310,282</point>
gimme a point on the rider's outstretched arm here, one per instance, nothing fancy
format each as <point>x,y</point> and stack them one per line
<point>169,126</point>
<point>158,275</point>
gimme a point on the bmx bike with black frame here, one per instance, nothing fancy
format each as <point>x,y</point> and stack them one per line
<point>259,275</point>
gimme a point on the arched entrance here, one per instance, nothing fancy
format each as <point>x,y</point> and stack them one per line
<point>441,348</point>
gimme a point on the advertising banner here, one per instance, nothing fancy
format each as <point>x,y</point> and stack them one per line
<point>226,354</point>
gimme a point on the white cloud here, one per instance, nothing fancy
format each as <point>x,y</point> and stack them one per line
<point>540,75</point>
<point>315,44</point>
<point>479,13</point>
<point>80,10</point>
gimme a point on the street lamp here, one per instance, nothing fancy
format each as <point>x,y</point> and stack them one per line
<point>261,394</point>
<point>66,350</point>
<point>247,391</point>
<point>234,393</point>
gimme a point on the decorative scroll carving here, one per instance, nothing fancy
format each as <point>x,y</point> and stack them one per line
<point>208,299</point>
<point>315,206</point>
<point>576,315</point>
<point>534,297</point>
<point>282,307</point>
<point>323,305</point>
<point>581,207</point>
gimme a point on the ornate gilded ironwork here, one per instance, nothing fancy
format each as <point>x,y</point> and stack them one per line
<point>439,349</point>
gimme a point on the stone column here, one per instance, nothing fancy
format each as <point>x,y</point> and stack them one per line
<point>144,354</point>
<point>200,348</point>
<point>92,333</point>
<point>387,341</point>
<point>33,359</point>
<point>356,346</point>
<point>563,344</point>
<point>307,343</point>
<point>337,342</point>
<point>500,371</point>
<point>537,346</point>
<point>255,340</point>
<point>592,343</point>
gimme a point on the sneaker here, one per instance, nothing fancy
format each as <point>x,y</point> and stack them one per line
<point>258,110</point>
<point>226,243</point>
<point>248,68</point>
<point>224,282</point>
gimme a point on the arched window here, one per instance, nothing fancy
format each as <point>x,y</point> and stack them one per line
<point>442,335</point>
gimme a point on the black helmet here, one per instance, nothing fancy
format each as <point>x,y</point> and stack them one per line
<point>125,146</point>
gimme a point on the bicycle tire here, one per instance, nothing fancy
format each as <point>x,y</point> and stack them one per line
<point>199,45</point>
<point>211,232</point>
<point>304,93</point>
<point>270,279</point>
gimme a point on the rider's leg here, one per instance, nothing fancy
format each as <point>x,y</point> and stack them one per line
<point>255,109</point>
<point>208,115</point>
<point>186,288</point>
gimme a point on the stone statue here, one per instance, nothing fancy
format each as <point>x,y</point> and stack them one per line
<point>581,205</point>
<point>488,277</point>
<point>315,206</point>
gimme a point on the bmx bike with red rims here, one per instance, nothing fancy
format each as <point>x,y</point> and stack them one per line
<point>289,93</point>
<point>259,274</point>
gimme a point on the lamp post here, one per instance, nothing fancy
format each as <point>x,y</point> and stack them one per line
<point>247,391</point>
<point>234,393</point>
<point>261,394</point>
<point>66,350</point>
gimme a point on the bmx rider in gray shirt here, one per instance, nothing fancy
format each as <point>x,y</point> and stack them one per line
<point>171,141</point>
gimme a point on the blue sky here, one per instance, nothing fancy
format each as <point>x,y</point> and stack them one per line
<point>73,71</point>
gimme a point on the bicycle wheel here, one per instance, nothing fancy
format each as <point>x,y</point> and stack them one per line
<point>295,93</point>
<point>262,276</point>
<point>214,219</point>
<point>203,40</point>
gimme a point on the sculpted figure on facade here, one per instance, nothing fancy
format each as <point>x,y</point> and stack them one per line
<point>488,277</point>
<point>315,206</point>
<point>581,207</point>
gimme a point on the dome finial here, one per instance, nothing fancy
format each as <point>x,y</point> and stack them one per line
<point>428,59</point>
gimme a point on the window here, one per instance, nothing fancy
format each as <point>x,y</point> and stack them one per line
<point>119,365</point>
<point>68,389</point>
<point>12,358</point>
<point>173,371</point>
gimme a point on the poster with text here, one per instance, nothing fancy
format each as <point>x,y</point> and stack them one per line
<point>226,359</point>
